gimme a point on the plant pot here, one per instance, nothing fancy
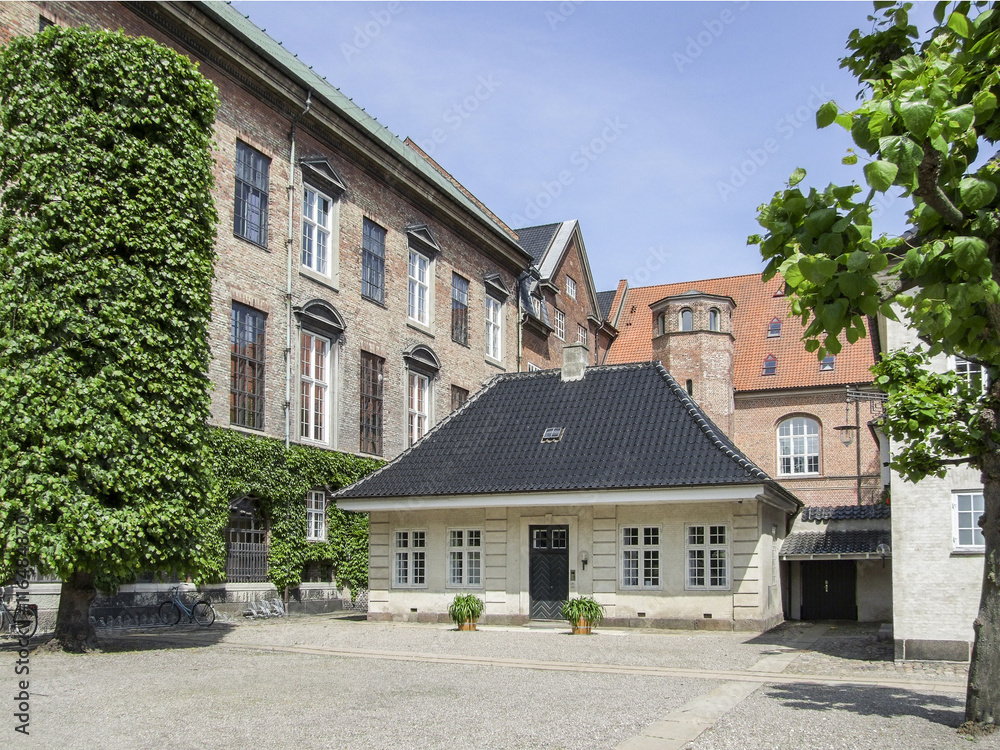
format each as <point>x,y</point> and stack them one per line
<point>467,625</point>
<point>581,627</point>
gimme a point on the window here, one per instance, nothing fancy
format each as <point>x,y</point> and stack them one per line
<point>774,328</point>
<point>371,403</point>
<point>582,334</point>
<point>536,307</point>
<point>494,327</point>
<point>972,373</point>
<point>458,397</point>
<point>661,324</point>
<point>317,222</point>
<point>707,550</point>
<point>968,508</point>
<point>418,407</point>
<point>798,446</point>
<point>410,561</point>
<point>316,516</point>
<point>373,261</point>
<point>770,365</point>
<point>314,387</point>
<point>713,319</point>
<point>571,287</point>
<point>827,364</point>
<point>250,205</point>
<point>689,387</point>
<point>560,321</point>
<point>459,309</point>
<point>418,304</point>
<point>246,370</point>
<point>465,557</point>
<point>532,367</point>
<point>687,320</point>
<point>640,557</point>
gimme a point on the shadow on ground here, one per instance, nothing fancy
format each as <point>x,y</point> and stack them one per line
<point>857,641</point>
<point>137,639</point>
<point>864,700</point>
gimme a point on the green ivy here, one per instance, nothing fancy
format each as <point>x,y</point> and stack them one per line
<point>259,467</point>
<point>107,230</point>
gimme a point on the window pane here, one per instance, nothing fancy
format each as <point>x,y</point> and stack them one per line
<point>651,536</point>
<point>455,568</point>
<point>696,567</point>
<point>558,538</point>
<point>474,538</point>
<point>718,575</point>
<point>696,535</point>
<point>418,567</point>
<point>419,537</point>
<point>630,536</point>
<point>651,568</point>
<point>455,538</point>
<point>717,535</point>
<point>473,574</point>
<point>402,567</point>
<point>630,568</point>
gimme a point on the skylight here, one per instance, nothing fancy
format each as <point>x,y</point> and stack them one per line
<point>552,434</point>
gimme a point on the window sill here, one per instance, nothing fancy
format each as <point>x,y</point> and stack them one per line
<point>247,430</point>
<point>810,475</point>
<point>495,363</point>
<point>968,552</point>
<point>459,586</point>
<point>404,587</point>
<point>319,278</point>
<point>375,302</point>
<point>419,327</point>
<point>241,238</point>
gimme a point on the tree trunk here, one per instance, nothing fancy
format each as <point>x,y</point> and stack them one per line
<point>982,702</point>
<point>73,629</point>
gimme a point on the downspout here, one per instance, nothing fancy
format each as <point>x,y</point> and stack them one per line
<point>520,324</point>
<point>289,243</point>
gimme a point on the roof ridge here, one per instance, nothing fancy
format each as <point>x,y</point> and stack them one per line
<point>694,281</point>
<point>709,428</point>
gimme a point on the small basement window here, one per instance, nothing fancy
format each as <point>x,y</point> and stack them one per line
<point>552,434</point>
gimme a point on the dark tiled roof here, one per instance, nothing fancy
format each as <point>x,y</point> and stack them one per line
<point>844,512</point>
<point>834,542</point>
<point>625,426</point>
<point>604,300</point>
<point>536,240</point>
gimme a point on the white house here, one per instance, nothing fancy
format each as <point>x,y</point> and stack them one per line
<point>606,481</point>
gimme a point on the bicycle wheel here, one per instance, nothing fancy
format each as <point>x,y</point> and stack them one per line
<point>25,621</point>
<point>203,613</point>
<point>169,613</point>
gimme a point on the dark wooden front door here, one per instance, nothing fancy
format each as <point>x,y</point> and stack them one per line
<point>828,590</point>
<point>548,570</point>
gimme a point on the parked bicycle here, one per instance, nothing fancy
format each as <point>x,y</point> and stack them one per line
<point>23,621</point>
<point>170,611</point>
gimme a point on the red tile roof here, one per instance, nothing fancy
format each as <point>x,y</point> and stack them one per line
<point>756,306</point>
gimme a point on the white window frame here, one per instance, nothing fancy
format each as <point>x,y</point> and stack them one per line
<point>536,307</point>
<point>532,367</point>
<point>792,453</point>
<point>313,229</point>
<point>405,549</point>
<point>314,380</point>
<point>966,370</point>
<point>418,410</point>
<point>570,287</point>
<point>494,328</point>
<point>707,544</point>
<point>644,547</point>
<point>559,320</point>
<point>418,297</point>
<point>582,335</point>
<point>466,548</point>
<point>959,515</point>
<point>316,516</point>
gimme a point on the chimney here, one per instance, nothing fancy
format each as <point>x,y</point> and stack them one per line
<point>574,364</point>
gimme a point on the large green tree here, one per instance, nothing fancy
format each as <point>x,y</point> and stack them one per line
<point>924,124</point>
<point>107,229</point>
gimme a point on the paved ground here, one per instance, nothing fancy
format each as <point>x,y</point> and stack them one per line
<point>323,682</point>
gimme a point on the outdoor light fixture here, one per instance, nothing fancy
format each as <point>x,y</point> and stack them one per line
<point>584,559</point>
<point>846,433</point>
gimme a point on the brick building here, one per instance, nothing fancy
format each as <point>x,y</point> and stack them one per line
<point>360,293</point>
<point>731,343</point>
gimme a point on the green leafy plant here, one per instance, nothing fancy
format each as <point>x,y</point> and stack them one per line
<point>466,608</point>
<point>583,608</point>
<point>928,104</point>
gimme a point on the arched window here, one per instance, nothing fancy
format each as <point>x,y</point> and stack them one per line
<point>798,446</point>
<point>713,319</point>
<point>774,328</point>
<point>661,324</point>
<point>686,320</point>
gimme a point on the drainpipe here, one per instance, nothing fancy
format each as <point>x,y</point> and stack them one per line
<point>520,324</point>
<point>289,244</point>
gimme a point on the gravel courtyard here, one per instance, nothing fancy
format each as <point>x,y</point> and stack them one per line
<point>327,682</point>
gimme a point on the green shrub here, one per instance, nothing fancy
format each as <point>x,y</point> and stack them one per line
<point>583,608</point>
<point>466,608</point>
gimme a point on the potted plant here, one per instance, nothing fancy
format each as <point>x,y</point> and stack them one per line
<point>582,612</point>
<point>465,610</point>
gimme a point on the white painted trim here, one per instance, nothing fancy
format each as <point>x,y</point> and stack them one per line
<point>534,499</point>
<point>559,242</point>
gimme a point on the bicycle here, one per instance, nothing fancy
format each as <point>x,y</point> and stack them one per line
<point>170,611</point>
<point>23,621</point>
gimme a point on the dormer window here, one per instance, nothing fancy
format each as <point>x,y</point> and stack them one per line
<point>770,365</point>
<point>774,328</point>
<point>687,320</point>
<point>827,364</point>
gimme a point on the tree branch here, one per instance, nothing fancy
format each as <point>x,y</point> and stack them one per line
<point>930,190</point>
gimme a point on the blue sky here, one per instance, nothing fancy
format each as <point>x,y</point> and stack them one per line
<point>660,126</point>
